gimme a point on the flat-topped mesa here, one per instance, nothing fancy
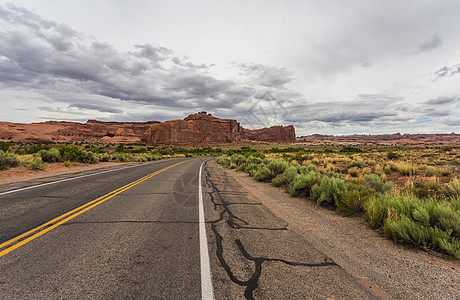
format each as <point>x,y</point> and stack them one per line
<point>196,129</point>
<point>275,134</point>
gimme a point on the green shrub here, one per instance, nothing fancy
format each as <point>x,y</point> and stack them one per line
<point>277,166</point>
<point>104,158</point>
<point>156,157</point>
<point>142,158</point>
<point>238,159</point>
<point>119,157</point>
<point>50,156</point>
<point>392,155</point>
<point>451,189</point>
<point>254,160</point>
<point>350,150</point>
<point>37,164</point>
<point>409,230</point>
<point>306,169</point>
<point>263,173</point>
<point>4,146</point>
<point>88,157</point>
<point>286,177</point>
<point>224,160</point>
<point>67,163</point>
<point>377,184</point>
<point>302,183</point>
<point>70,152</point>
<point>8,160</point>
<point>330,191</point>
<point>250,168</point>
<point>352,202</point>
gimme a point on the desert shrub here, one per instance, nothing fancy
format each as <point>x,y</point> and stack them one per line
<point>353,171</point>
<point>232,166</point>
<point>8,160</point>
<point>329,191</point>
<point>428,223</point>
<point>451,189</point>
<point>286,177</point>
<point>305,169</point>
<point>302,184</point>
<point>352,202</point>
<point>4,146</point>
<point>104,158</point>
<point>142,158</point>
<point>350,150</point>
<point>408,230</point>
<point>88,157</point>
<point>70,152</point>
<point>238,159</point>
<point>250,168</point>
<point>119,157</point>
<point>405,168</point>
<point>377,184</point>
<point>37,164</point>
<point>263,173</point>
<point>224,160</point>
<point>50,156</point>
<point>254,160</point>
<point>156,157</point>
<point>392,155</point>
<point>277,166</point>
<point>430,172</point>
<point>67,163</point>
<point>241,168</point>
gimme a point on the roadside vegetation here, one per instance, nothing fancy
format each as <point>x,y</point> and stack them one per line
<point>37,156</point>
<point>412,195</point>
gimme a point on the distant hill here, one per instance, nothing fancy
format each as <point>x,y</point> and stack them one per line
<point>451,139</point>
<point>197,129</point>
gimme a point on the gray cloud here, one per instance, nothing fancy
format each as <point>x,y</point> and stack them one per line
<point>442,100</point>
<point>44,55</point>
<point>434,42</point>
<point>96,107</point>
<point>266,75</point>
<point>447,71</point>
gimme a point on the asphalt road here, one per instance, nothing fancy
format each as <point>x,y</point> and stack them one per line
<point>135,234</point>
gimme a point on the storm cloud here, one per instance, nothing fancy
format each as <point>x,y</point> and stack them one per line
<point>324,66</point>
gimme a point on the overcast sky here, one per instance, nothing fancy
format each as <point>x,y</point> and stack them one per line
<point>324,66</point>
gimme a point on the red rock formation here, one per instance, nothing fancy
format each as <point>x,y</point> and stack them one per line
<point>196,129</point>
<point>91,131</point>
<point>275,134</point>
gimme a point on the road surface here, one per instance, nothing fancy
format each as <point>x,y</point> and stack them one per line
<point>135,233</point>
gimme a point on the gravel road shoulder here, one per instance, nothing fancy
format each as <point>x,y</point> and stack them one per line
<point>387,270</point>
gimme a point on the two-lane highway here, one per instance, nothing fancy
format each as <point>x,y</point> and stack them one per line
<point>173,229</point>
<point>141,242</point>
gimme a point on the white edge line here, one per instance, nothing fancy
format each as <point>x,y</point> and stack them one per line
<point>72,178</point>
<point>206,282</point>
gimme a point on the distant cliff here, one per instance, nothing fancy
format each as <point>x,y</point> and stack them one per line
<point>450,139</point>
<point>204,129</point>
<point>196,129</point>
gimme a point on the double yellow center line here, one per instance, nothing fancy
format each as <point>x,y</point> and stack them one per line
<point>32,234</point>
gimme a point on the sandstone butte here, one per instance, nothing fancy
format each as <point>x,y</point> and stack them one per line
<point>196,129</point>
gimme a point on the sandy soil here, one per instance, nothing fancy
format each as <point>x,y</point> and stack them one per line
<point>24,173</point>
<point>386,269</point>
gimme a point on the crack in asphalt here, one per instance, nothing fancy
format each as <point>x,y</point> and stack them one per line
<point>227,216</point>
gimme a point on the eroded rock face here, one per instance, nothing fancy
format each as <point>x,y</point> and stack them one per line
<point>196,129</point>
<point>91,131</point>
<point>204,129</point>
<point>275,134</point>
